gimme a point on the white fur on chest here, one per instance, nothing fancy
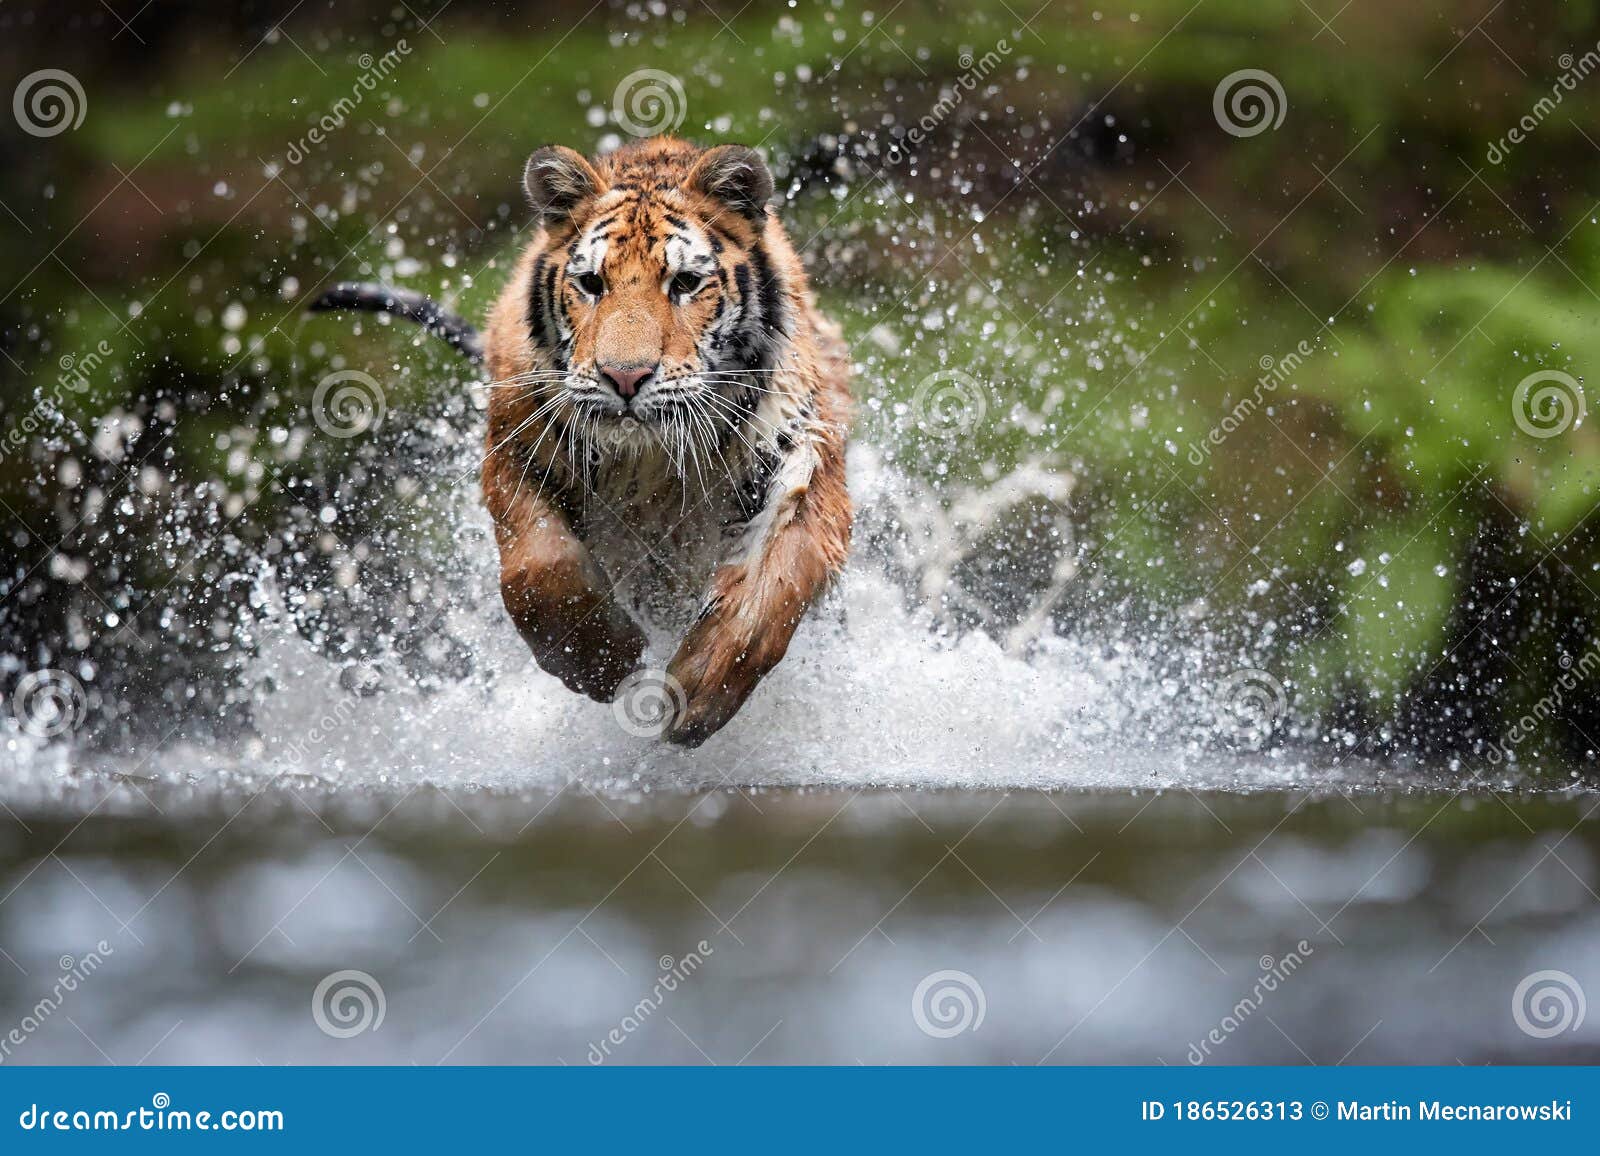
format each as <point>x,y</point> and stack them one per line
<point>660,526</point>
<point>659,539</point>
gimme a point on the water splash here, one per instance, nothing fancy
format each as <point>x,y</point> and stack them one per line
<point>908,676</point>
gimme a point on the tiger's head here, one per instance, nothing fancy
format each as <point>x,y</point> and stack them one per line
<point>657,303</point>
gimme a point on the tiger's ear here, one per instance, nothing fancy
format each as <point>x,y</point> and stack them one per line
<point>735,175</point>
<point>558,180</point>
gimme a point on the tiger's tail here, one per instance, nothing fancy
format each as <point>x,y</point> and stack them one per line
<point>413,306</point>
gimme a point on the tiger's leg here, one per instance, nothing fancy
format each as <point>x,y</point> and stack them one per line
<point>755,603</point>
<point>554,591</point>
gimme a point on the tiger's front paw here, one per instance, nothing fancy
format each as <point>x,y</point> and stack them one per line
<point>598,675</point>
<point>708,705</point>
<point>717,665</point>
<point>591,659</point>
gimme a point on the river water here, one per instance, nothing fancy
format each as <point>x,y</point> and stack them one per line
<point>916,845</point>
<point>805,925</point>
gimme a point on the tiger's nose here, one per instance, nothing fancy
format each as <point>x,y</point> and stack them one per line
<point>626,379</point>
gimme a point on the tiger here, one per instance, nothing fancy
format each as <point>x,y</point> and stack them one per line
<point>667,425</point>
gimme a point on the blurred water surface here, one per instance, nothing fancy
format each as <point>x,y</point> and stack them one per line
<point>1088,927</point>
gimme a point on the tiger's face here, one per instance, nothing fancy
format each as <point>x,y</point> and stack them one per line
<point>656,300</point>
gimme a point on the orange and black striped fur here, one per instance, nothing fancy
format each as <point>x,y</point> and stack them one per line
<point>666,428</point>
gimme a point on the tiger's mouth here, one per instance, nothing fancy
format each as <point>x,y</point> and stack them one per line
<point>623,416</point>
<point>620,419</point>
<point>654,405</point>
<point>685,426</point>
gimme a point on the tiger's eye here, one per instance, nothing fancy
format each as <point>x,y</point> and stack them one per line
<point>685,284</point>
<point>592,284</point>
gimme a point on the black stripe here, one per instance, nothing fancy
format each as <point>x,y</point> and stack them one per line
<point>552,331</point>
<point>749,340</point>
<point>774,316</point>
<point>535,317</point>
<point>717,337</point>
<point>752,492</point>
<point>748,401</point>
<point>720,236</point>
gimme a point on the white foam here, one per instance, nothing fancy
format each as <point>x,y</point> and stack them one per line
<point>874,692</point>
